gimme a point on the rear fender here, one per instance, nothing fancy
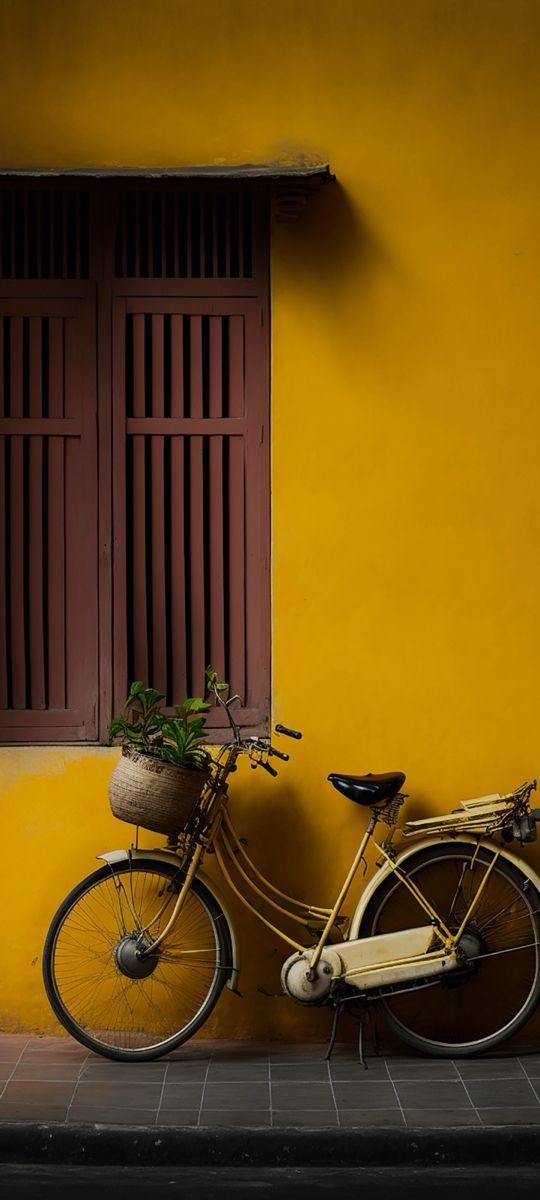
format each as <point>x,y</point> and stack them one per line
<point>384,871</point>
<point>116,856</point>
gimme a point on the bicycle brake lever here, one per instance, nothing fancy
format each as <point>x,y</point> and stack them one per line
<point>267,767</point>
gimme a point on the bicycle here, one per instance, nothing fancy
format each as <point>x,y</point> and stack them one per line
<point>444,940</point>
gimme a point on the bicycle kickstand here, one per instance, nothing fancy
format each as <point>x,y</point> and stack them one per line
<point>333,1033</point>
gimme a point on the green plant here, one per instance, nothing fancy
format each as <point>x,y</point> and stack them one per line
<point>178,739</point>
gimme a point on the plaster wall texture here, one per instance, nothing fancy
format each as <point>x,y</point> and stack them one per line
<point>405,415</point>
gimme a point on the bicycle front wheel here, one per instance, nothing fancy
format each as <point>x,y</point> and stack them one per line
<point>475,1008</point>
<point>115,1003</point>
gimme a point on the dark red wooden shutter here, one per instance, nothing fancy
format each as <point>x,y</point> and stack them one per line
<point>191,497</point>
<point>48,557</point>
<point>173,276</point>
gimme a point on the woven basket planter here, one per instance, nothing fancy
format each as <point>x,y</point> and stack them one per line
<point>146,791</point>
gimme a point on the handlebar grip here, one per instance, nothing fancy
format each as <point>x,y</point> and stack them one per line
<point>278,753</point>
<point>294,733</point>
<point>267,767</point>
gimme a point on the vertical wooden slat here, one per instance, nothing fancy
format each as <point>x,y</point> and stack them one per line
<point>157,408</point>
<point>159,612</point>
<point>56,574</point>
<point>38,234</point>
<point>177,365</point>
<point>139,405</point>
<point>26,234</point>
<point>4,643</point>
<point>216,533</point>
<point>56,367</point>
<point>16,366</point>
<point>236,366</point>
<point>36,576</point>
<point>217,572</point>
<point>140,581</point>
<point>3,398</point>
<point>17,631</point>
<point>196,376</point>
<point>77,233</point>
<point>189,237</point>
<point>64,233</point>
<point>175,218</point>
<point>137,225</point>
<point>214,200</point>
<point>35,404</point>
<point>163,272</point>
<point>202,226</point>
<point>196,533</point>
<point>237,567</point>
<point>56,524</point>
<point>178,572</point>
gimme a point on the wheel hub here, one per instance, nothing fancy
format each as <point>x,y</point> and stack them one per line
<point>470,947</point>
<point>128,957</point>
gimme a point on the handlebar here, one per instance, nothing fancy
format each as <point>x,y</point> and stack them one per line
<point>278,753</point>
<point>292,733</point>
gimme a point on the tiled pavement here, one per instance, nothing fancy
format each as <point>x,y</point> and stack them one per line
<point>255,1085</point>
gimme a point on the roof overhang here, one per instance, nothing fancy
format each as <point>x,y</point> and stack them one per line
<point>265,172</point>
<point>290,183</point>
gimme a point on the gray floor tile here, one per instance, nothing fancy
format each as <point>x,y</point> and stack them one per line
<point>250,1118</point>
<point>187,1072</point>
<point>510,1116</point>
<point>300,1071</point>
<point>46,1072</point>
<point>302,1096</point>
<point>351,1069</point>
<point>350,1094</point>
<point>110,1116</point>
<point>380,1118</point>
<point>107,1094</point>
<point>56,1055</point>
<point>178,1117</point>
<point>307,1118</point>
<point>6,1069</point>
<point>293,1054</point>
<point>32,1112</point>
<point>433,1094</point>
<point>490,1068</point>
<point>237,1095</point>
<point>422,1071</point>
<point>240,1072</point>
<point>442,1118</point>
<point>10,1054</point>
<point>532,1070</point>
<point>182,1095</point>
<point>506,1093</point>
<point>31,1092</point>
<point>124,1072</point>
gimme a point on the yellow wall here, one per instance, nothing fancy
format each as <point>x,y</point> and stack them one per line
<point>406,418</point>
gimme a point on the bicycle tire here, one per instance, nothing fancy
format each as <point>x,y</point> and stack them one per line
<point>392,907</point>
<point>107,1042</point>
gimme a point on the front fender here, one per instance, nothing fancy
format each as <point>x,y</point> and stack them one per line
<point>402,857</point>
<point>116,856</point>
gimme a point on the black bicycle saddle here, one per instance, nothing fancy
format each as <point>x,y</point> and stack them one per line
<point>369,789</point>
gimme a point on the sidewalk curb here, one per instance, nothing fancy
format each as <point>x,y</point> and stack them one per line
<point>111,1145</point>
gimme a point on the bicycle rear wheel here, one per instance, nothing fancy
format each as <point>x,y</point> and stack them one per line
<point>115,1003</point>
<point>475,1008</point>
